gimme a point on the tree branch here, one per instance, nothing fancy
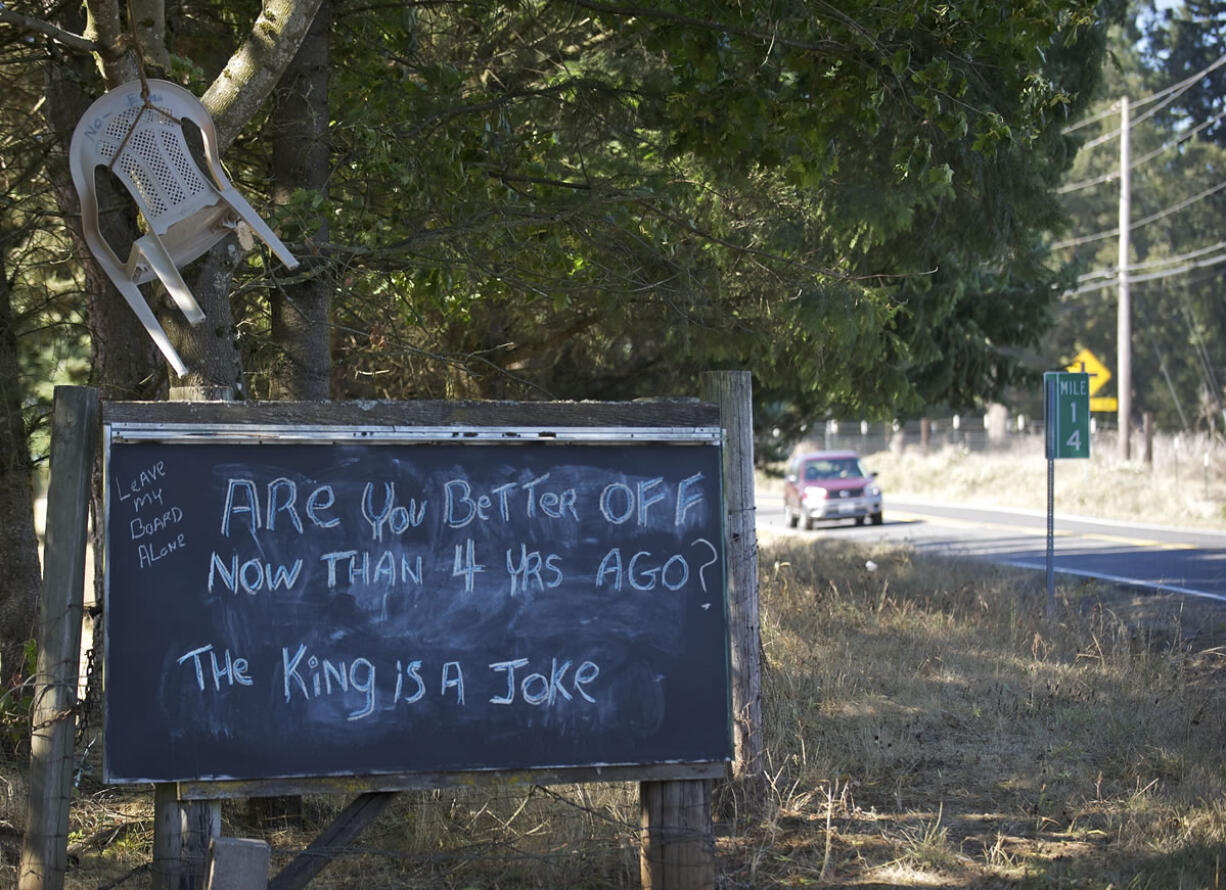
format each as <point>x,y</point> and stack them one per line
<point>32,25</point>
<point>104,25</point>
<point>147,19</point>
<point>257,65</point>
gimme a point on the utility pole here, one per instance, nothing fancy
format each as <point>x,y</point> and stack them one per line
<point>1124,308</point>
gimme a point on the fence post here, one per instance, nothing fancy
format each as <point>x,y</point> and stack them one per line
<point>74,431</point>
<point>1147,424</point>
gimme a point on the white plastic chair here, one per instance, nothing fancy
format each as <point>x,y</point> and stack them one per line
<point>138,135</point>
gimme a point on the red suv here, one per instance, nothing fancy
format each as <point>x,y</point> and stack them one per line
<point>830,485</point>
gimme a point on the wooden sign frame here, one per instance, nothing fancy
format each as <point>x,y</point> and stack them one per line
<point>561,424</point>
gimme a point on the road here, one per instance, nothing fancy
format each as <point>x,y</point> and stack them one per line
<point>1159,557</point>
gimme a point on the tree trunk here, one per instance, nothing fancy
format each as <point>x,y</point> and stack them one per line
<point>209,349</point>
<point>18,545</point>
<point>126,364</point>
<point>125,361</point>
<point>300,365</point>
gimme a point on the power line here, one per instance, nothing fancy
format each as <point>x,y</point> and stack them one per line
<point>1153,276</point>
<point>1144,159</point>
<point>1111,109</point>
<point>1180,270</point>
<point>1107,137</point>
<point>1150,264</point>
<point>1153,217</point>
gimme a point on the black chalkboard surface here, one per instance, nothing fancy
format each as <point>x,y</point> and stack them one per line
<point>321,608</point>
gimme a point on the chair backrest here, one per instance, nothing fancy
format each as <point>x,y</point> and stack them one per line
<point>144,145</point>
<point>136,131</point>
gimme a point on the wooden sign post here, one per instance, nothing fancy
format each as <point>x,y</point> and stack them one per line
<point>73,434</point>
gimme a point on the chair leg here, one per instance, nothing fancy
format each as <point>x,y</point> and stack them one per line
<point>131,293</point>
<point>248,215</point>
<point>152,249</point>
<point>136,300</point>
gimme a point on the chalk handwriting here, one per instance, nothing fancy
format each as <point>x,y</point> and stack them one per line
<point>466,564</point>
<point>453,678</point>
<point>527,567</point>
<point>281,496</point>
<point>144,480</point>
<point>539,689</point>
<point>643,571</point>
<point>232,670</point>
<point>460,507</point>
<point>148,554</point>
<point>253,575</point>
<point>353,567</point>
<point>140,528</point>
<point>413,672</point>
<point>312,677</point>
<point>619,502</point>
<point>307,676</point>
<point>703,542</point>
<point>396,518</point>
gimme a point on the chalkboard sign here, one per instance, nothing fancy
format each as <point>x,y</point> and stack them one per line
<point>325,601</point>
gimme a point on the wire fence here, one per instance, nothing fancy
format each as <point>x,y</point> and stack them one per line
<point>981,434</point>
<point>956,431</point>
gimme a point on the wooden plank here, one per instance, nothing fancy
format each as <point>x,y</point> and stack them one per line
<point>73,436</point>
<point>363,810</point>
<point>182,831</point>
<point>238,864</point>
<point>678,845</point>
<point>732,391</point>
<point>429,781</point>
<point>667,413</point>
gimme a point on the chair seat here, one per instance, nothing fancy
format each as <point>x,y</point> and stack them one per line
<point>184,241</point>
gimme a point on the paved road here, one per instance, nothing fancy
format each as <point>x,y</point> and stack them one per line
<point>1160,557</point>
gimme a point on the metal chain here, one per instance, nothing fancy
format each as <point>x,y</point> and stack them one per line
<point>85,707</point>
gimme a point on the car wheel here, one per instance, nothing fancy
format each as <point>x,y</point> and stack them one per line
<point>877,518</point>
<point>808,523</point>
<point>859,520</point>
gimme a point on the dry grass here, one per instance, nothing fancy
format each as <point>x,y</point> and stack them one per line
<point>925,726</point>
<point>1185,484</point>
<point>967,742</point>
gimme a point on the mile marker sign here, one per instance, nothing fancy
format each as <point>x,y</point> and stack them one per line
<point>1066,409</point>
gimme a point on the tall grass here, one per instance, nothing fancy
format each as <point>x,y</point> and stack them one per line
<point>924,725</point>
<point>970,738</point>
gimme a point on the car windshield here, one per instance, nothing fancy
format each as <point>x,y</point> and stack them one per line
<point>833,468</point>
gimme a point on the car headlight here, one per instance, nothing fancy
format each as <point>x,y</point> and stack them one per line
<point>815,494</point>
<point>872,490</point>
